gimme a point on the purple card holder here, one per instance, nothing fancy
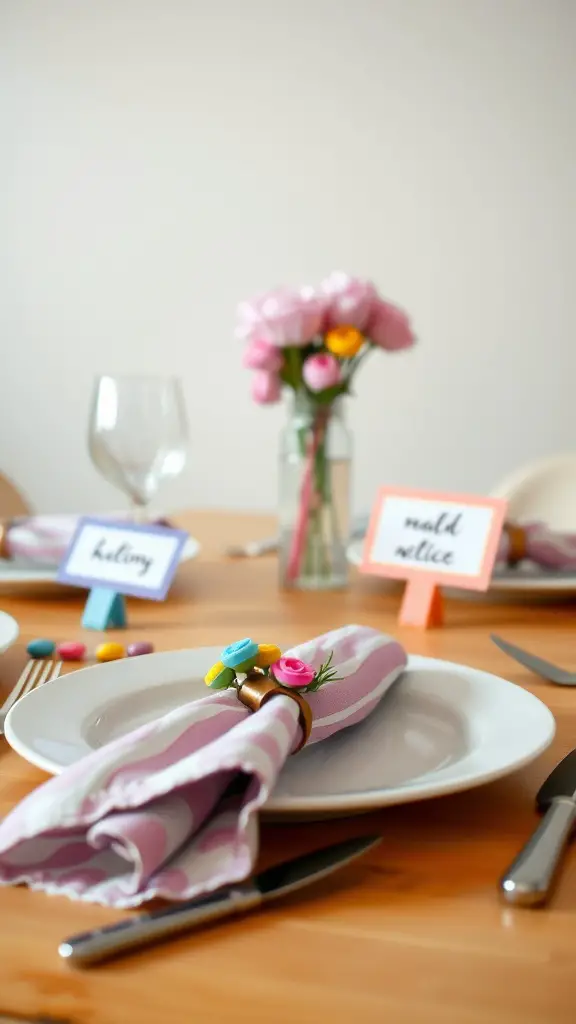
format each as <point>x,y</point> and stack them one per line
<point>125,558</point>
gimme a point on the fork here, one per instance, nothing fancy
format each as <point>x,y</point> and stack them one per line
<point>35,674</point>
<point>553,673</point>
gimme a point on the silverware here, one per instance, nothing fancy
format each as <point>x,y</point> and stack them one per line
<point>529,880</point>
<point>143,929</point>
<point>267,545</point>
<point>253,549</point>
<point>35,674</point>
<point>543,668</point>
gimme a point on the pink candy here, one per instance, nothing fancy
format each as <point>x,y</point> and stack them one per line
<point>71,650</point>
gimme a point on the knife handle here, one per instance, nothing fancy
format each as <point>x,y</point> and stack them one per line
<point>529,879</point>
<point>143,929</point>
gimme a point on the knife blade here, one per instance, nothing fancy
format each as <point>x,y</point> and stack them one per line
<point>143,929</point>
<point>545,669</point>
<point>529,880</point>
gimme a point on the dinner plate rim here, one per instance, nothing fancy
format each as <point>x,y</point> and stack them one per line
<point>525,585</point>
<point>426,786</point>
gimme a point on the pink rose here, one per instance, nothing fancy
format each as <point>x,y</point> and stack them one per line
<point>292,672</point>
<point>282,317</point>
<point>389,327</point>
<point>261,355</point>
<point>265,387</point>
<point>321,371</point>
<point>350,301</point>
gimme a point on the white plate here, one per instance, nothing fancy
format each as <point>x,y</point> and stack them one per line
<point>442,728</point>
<point>24,574</point>
<point>543,491</point>
<point>524,582</point>
<point>9,631</point>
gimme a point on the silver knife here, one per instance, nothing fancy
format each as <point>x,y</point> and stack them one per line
<point>529,880</point>
<point>143,929</point>
<point>552,673</point>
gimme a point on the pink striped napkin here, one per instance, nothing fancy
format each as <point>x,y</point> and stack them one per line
<point>544,547</point>
<point>171,809</point>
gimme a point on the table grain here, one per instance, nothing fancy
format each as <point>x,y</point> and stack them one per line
<point>413,933</point>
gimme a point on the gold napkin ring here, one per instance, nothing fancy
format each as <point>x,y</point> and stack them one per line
<point>258,688</point>
<point>517,543</point>
<point>4,527</point>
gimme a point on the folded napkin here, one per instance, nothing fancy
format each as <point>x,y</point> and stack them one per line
<point>43,540</point>
<point>535,542</point>
<point>170,810</point>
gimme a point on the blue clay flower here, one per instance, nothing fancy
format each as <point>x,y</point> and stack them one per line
<point>240,656</point>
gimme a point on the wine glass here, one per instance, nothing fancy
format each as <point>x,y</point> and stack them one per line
<point>138,434</point>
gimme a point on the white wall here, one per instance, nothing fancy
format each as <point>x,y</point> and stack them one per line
<point>162,159</point>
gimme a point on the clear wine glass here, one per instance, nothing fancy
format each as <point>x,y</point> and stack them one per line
<point>138,434</point>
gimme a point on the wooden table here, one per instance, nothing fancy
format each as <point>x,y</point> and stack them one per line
<point>413,933</point>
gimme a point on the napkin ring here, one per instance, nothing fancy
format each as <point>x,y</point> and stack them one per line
<point>517,543</point>
<point>258,688</point>
<point>4,527</point>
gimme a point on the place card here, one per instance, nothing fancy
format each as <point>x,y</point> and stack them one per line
<point>114,559</point>
<point>430,538</point>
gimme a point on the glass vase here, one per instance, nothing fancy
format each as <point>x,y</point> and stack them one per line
<point>314,506</point>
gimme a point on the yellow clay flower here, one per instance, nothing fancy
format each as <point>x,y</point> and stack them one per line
<point>214,671</point>
<point>344,341</point>
<point>267,655</point>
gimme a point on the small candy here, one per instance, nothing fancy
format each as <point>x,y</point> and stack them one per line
<point>71,650</point>
<point>41,648</point>
<point>109,652</point>
<point>140,647</point>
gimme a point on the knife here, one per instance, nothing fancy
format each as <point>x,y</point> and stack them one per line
<point>530,878</point>
<point>545,669</point>
<point>143,929</point>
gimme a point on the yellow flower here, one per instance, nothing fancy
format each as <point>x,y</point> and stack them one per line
<point>344,341</point>
<point>220,677</point>
<point>267,655</point>
<point>214,671</point>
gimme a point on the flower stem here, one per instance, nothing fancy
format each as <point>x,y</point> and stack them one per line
<point>310,498</point>
<point>294,366</point>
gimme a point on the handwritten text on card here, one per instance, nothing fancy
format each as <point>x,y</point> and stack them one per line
<point>441,535</point>
<point>137,560</point>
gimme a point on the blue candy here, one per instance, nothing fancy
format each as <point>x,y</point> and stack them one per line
<point>41,648</point>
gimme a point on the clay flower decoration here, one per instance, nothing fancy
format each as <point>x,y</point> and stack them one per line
<point>291,335</point>
<point>246,656</point>
<point>312,342</point>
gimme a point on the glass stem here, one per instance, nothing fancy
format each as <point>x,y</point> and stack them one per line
<point>138,511</point>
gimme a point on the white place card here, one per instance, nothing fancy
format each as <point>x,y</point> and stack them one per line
<point>429,538</point>
<point>124,557</point>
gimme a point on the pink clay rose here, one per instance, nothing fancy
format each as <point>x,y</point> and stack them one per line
<point>389,327</point>
<point>282,317</point>
<point>265,387</point>
<point>292,672</point>
<point>350,300</point>
<point>261,355</point>
<point>321,371</point>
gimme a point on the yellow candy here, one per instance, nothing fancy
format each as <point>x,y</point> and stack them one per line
<point>109,652</point>
<point>267,655</point>
<point>344,341</point>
